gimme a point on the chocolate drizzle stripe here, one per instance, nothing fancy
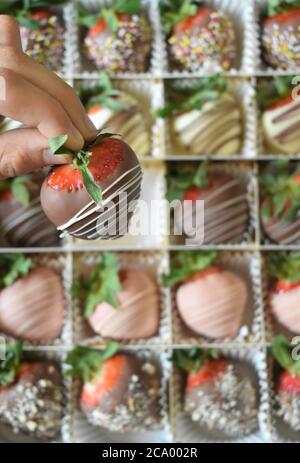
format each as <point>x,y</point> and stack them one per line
<point>282,116</point>
<point>83,214</point>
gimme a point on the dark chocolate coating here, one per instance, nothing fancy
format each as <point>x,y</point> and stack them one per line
<point>33,405</point>
<point>131,403</point>
<point>62,206</point>
<point>227,404</point>
<point>27,226</point>
<point>281,231</point>
<point>226,213</point>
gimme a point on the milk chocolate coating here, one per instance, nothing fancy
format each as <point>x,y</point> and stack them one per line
<point>32,309</point>
<point>27,226</point>
<point>133,401</point>
<point>33,405</point>
<point>281,41</point>
<point>62,206</point>
<point>227,404</point>
<point>281,231</point>
<point>226,212</point>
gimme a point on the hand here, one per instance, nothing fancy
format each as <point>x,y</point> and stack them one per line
<point>42,101</point>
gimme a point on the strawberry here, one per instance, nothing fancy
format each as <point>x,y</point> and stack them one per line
<point>119,391</point>
<point>224,201</point>
<point>288,382</point>
<point>30,395</point>
<point>116,301</point>
<point>280,34</point>
<point>198,36</point>
<point>71,195</point>
<point>23,223</point>
<point>284,297</point>
<point>38,316</point>
<point>216,314</point>
<point>218,395</point>
<point>104,41</point>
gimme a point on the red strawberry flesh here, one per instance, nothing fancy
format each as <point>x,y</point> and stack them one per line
<point>209,372</point>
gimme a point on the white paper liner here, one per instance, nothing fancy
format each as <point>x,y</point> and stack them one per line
<point>155,263</point>
<point>153,189</point>
<point>261,67</point>
<point>84,67</point>
<point>80,431</point>
<point>242,16</point>
<point>61,264</point>
<point>281,431</point>
<point>244,172</point>
<point>187,431</point>
<point>247,266</point>
<point>7,435</point>
<point>245,96</point>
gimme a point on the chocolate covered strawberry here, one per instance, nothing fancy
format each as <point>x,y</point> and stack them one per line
<point>280,202</point>
<point>210,300</point>
<point>218,395</point>
<point>288,382</point>
<point>42,29</point>
<point>280,108</point>
<point>281,35</point>
<point>205,118</point>
<point>31,299</point>
<point>285,293</point>
<point>118,112</point>
<point>223,197</point>
<point>119,391</point>
<point>120,304</point>
<point>118,38</point>
<point>22,220</point>
<point>31,398</point>
<point>199,37</point>
<point>93,197</point>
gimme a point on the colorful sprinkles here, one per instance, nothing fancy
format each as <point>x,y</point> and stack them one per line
<point>127,50</point>
<point>281,44</point>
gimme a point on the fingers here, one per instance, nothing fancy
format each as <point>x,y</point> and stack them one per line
<point>10,32</point>
<point>35,108</point>
<point>23,151</point>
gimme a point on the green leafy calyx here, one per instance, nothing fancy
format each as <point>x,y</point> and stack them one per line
<point>109,15</point>
<point>285,266</point>
<point>103,95</point>
<point>86,363</point>
<point>185,264</point>
<point>18,186</point>
<point>13,266</point>
<point>282,351</point>
<point>280,190</point>
<point>22,9</point>
<point>179,183</point>
<point>103,285</point>
<point>193,97</point>
<point>192,360</point>
<point>278,6</point>
<point>10,365</point>
<point>271,91</point>
<point>174,12</point>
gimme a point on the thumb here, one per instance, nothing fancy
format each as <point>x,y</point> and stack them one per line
<point>24,150</point>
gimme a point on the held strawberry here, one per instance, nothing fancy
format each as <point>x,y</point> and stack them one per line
<point>119,304</point>
<point>219,394</point>
<point>280,34</point>
<point>224,201</point>
<point>118,111</point>
<point>285,294</point>
<point>288,382</point>
<point>119,391</point>
<point>38,316</point>
<point>104,42</point>
<point>198,37</point>
<point>31,399</point>
<point>210,300</point>
<point>93,198</point>
<point>280,195</point>
<point>22,220</point>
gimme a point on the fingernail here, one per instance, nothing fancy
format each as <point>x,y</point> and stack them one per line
<point>77,136</point>
<point>51,159</point>
<point>89,124</point>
